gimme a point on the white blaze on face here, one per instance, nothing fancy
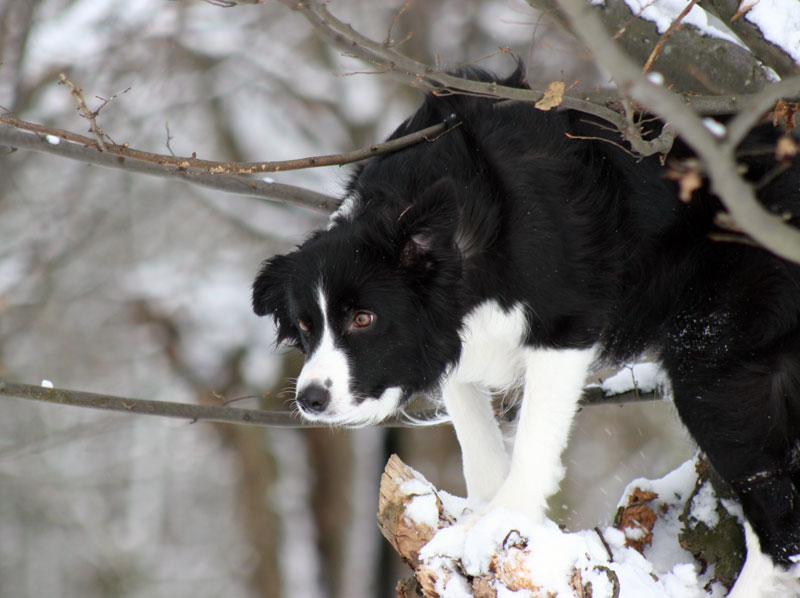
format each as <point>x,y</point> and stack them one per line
<point>328,367</point>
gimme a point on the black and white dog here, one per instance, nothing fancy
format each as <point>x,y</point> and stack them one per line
<point>517,250</point>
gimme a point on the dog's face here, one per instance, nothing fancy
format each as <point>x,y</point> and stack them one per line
<point>370,303</point>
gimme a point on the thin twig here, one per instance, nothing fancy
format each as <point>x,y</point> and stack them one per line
<point>616,144</point>
<point>389,42</point>
<point>632,19</point>
<point>107,101</point>
<point>88,114</point>
<point>600,535</point>
<point>673,28</point>
<point>169,138</point>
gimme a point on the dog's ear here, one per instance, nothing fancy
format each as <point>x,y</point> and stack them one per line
<point>428,227</point>
<point>270,292</point>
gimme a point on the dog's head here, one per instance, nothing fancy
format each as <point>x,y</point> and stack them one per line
<point>372,304</point>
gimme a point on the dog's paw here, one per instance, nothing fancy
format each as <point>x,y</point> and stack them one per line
<point>478,536</point>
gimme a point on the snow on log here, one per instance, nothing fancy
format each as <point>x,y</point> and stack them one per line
<point>671,538</point>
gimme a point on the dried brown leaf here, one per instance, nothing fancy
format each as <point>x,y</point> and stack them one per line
<point>553,96</point>
<point>638,515</point>
<point>786,111</point>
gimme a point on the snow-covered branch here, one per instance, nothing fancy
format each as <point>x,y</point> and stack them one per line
<point>670,538</point>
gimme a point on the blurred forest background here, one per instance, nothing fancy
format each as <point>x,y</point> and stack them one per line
<point>120,283</point>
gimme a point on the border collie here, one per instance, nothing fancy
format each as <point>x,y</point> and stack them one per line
<point>518,249</point>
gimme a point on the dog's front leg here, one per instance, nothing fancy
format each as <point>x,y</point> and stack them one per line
<point>483,452</point>
<point>554,380</point>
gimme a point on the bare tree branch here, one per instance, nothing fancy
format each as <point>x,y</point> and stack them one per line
<point>425,76</point>
<point>270,191</point>
<point>206,173</point>
<point>605,105</point>
<point>593,395</point>
<point>188,164</point>
<point>86,112</point>
<point>184,411</point>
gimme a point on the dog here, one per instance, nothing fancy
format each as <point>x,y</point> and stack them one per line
<point>517,250</point>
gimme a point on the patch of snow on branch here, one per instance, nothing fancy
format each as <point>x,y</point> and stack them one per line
<point>644,377</point>
<point>422,510</point>
<point>779,22</point>
<point>664,12</point>
<point>716,128</point>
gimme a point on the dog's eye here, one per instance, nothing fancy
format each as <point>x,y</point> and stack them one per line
<point>363,319</point>
<point>304,326</point>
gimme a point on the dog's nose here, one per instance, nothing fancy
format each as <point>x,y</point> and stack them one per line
<point>313,399</point>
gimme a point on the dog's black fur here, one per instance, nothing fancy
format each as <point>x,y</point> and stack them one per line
<point>597,247</point>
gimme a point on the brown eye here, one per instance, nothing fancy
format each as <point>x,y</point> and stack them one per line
<point>303,325</point>
<point>363,319</point>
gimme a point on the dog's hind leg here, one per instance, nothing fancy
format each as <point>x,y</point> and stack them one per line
<point>554,380</point>
<point>483,452</point>
<point>745,417</point>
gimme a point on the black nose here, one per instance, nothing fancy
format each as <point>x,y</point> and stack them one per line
<point>313,399</point>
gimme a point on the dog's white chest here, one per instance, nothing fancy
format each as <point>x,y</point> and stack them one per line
<point>491,353</point>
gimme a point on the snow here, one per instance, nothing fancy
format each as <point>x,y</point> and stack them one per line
<point>716,128</point>
<point>497,540</point>
<point>46,384</point>
<point>664,12</point>
<point>644,377</point>
<point>665,552</point>
<point>779,22</point>
<point>416,487</point>
<point>704,506</point>
<point>455,505</point>
<point>422,510</point>
<point>770,73</point>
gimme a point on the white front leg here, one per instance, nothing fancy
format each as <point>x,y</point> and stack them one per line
<point>554,380</point>
<point>483,452</point>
